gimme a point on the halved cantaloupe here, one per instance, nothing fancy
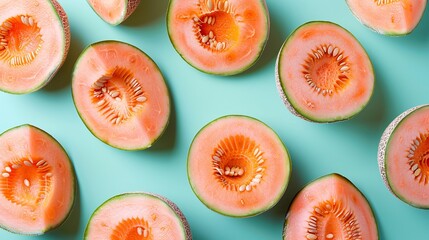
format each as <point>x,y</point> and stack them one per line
<point>34,42</point>
<point>238,166</point>
<point>120,95</point>
<point>390,17</point>
<point>37,182</point>
<point>114,12</point>
<point>323,74</point>
<point>403,156</point>
<point>330,207</point>
<point>138,216</point>
<point>220,37</point>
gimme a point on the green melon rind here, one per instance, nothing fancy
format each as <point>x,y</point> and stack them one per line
<point>80,114</point>
<point>261,47</point>
<point>73,174</point>
<point>383,149</point>
<point>254,212</point>
<point>391,34</point>
<point>131,7</point>
<point>286,222</point>
<point>62,17</point>
<point>290,103</point>
<point>171,205</point>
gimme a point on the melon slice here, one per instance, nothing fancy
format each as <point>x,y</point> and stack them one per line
<point>120,95</point>
<point>37,182</point>
<point>114,12</point>
<point>219,36</point>
<point>238,166</point>
<point>389,17</point>
<point>138,216</point>
<point>323,74</point>
<point>403,156</point>
<point>331,207</point>
<point>34,42</point>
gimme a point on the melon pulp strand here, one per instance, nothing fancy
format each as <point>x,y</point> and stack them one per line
<point>330,207</point>
<point>135,216</point>
<point>220,37</point>
<point>403,157</point>
<point>35,175</point>
<point>120,95</point>
<point>238,166</point>
<point>323,74</point>
<point>35,40</point>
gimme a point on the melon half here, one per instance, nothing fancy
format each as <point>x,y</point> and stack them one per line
<point>34,42</point>
<point>114,12</point>
<point>403,156</point>
<point>238,166</point>
<point>220,37</point>
<point>37,181</point>
<point>120,94</point>
<point>323,74</point>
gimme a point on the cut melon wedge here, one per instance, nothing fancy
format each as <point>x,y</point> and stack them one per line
<point>330,208</point>
<point>138,216</point>
<point>403,156</point>
<point>34,42</point>
<point>37,181</point>
<point>219,36</point>
<point>389,17</point>
<point>238,166</point>
<point>323,74</point>
<point>120,95</point>
<point>114,12</point>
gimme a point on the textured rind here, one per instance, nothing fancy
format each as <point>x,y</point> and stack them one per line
<point>171,204</point>
<point>285,224</point>
<point>72,203</point>
<point>262,46</point>
<point>254,212</point>
<point>382,146</point>
<point>282,92</point>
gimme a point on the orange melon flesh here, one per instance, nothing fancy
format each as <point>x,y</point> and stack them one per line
<point>114,11</point>
<point>142,122</point>
<point>347,87</point>
<point>35,51</point>
<point>238,138</point>
<point>340,210</point>
<point>406,171</point>
<point>44,201</point>
<point>390,17</point>
<point>135,216</point>
<point>242,25</point>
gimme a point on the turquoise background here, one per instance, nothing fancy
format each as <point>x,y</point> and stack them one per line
<point>350,148</point>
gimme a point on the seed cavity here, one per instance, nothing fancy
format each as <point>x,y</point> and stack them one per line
<point>26,181</point>
<point>238,163</point>
<point>215,26</point>
<point>326,70</point>
<point>385,2</point>
<point>20,40</point>
<point>131,228</point>
<point>417,157</point>
<point>118,95</point>
<point>328,214</point>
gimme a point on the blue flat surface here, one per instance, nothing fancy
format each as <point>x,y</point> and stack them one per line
<point>350,148</point>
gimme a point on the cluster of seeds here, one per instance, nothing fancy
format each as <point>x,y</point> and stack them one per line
<point>210,39</point>
<point>30,40</point>
<point>113,90</point>
<point>216,5</point>
<point>224,172</point>
<point>385,2</point>
<point>418,158</point>
<point>131,228</point>
<point>323,211</point>
<point>326,86</point>
<point>142,232</point>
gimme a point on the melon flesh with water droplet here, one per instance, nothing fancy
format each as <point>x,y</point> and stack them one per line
<point>238,166</point>
<point>390,17</point>
<point>37,183</point>
<point>138,216</point>
<point>34,42</point>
